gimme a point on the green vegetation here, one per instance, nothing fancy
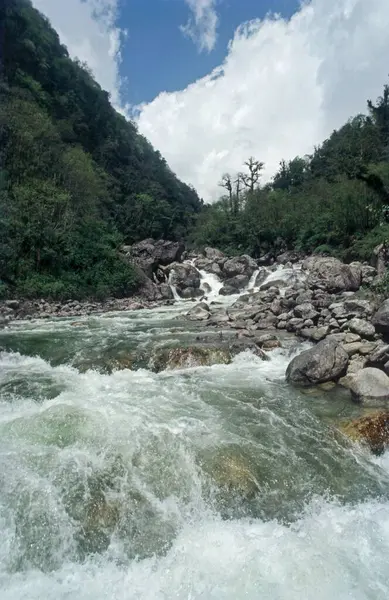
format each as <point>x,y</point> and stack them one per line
<point>335,201</point>
<point>76,178</point>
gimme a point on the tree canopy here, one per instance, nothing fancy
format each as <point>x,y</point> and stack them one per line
<point>76,178</point>
<point>334,201</point>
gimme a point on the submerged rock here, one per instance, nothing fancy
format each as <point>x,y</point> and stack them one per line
<point>372,430</point>
<point>201,355</point>
<point>232,470</point>
<point>325,362</point>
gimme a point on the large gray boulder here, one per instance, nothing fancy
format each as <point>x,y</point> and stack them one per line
<point>239,265</point>
<point>332,275</point>
<point>234,285</point>
<point>149,254</point>
<point>325,362</point>
<point>380,319</point>
<point>370,386</point>
<point>186,280</point>
<point>200,312</point>
<point>361,327</point>
<point>213,254</point>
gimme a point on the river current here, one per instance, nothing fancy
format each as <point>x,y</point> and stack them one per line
<point>216,482</point>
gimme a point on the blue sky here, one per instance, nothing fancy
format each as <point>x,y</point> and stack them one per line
<point>158,57</point>
<point>213,82</point>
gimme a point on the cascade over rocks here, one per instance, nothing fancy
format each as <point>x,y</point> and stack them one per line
<point>325,362</point>
<point>186,279</point>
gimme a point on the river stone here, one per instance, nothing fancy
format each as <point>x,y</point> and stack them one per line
<point>372,430</point>
<point>200,312</point>
<point>239,265</point>
<point>361,327</point>
<point>306,311</point>
<point>332,275</point>
<point>352,348</point>
<point>213,254</point>
<point>327,361</point>
<point>380,319</point>
<point>370,386</point>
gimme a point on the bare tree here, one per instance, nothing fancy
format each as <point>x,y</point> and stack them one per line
<point>251,179</point>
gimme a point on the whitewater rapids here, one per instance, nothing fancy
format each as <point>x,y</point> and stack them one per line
<point>112,486</point>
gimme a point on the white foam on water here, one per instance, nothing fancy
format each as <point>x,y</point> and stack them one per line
<point>332,552</point>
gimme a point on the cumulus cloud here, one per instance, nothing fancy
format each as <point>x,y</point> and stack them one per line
<point>88,29</point>
<point>282,88</point>
<point>201,27</point>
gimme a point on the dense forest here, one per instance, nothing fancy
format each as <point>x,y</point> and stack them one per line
<point>76,178</point>
<point>335,201</point>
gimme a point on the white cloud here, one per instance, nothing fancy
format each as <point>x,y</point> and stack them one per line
<point>88,29</point>
<point>283,87</point>
<point>202,26</point>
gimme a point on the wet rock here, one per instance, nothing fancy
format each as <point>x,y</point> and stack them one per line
<point>219,317</point>
<point>372,430</point>
<point>239,265</point>
<point>327,361</point>
<point>233,471</point>
<point>380,319</point>
<point>200,312</point>
<point>370,386</point>
<point>260,278</point>
<point>186,280</point>
<point>201,355</point>
<point>234,285</point>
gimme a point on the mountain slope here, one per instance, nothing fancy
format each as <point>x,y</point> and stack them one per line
<point>76,178</point>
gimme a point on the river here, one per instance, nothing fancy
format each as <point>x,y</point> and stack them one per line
<point>208,483</point>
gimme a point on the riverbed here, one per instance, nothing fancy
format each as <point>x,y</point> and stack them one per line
<point>218,482</point>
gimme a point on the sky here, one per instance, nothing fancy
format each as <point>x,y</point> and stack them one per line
<point>213,82</point>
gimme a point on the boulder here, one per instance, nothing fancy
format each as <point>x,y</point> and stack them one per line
<point>239,265</point>
<point>234,285</point>
<point>325,362</point>
<point>186,280</point>
<point>356,307</point>
<point>305,311</point>
<point>332,275</point>
<point>149,254</point>
<point>370,386</point>
<point>213,254</point>
<point>12,304</point>
<point>361,327</point>
<point>380,319</point>
<point>200,312</point>
<point>372,430</point>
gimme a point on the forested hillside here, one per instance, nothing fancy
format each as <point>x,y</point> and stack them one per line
<point>76,179</point>
<point>335,201</point>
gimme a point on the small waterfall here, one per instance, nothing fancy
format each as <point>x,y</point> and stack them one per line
<point>173,287</point>
<point>251,283</point>
<point>212,282</point>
